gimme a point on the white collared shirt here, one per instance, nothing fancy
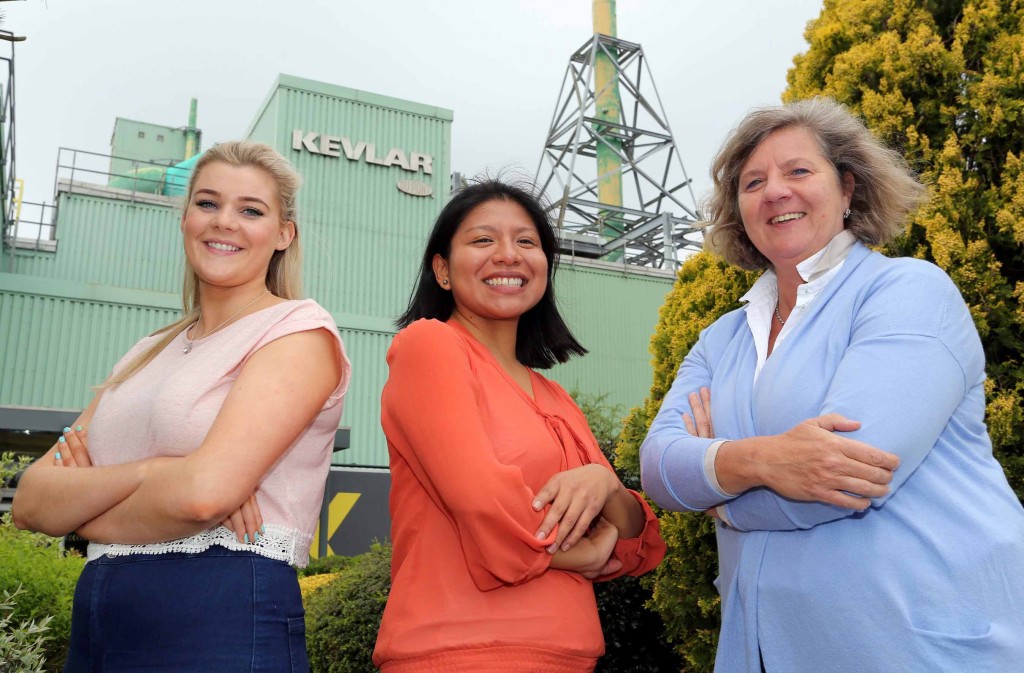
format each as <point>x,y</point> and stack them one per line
<point>762,298</point>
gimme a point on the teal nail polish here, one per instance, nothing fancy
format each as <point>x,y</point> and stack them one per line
<point>78,428</point>
<point>263,529</point>
<point>67,429</point>
<point>246,538</point>
<point>61,439</point>
<point>57,455</point>
<point>255,537</point>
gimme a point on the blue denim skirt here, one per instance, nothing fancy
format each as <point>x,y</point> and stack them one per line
<point>219,611</point>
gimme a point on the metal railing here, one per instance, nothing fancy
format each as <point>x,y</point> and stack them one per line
<point>34,227</point>
<point>82,172</point>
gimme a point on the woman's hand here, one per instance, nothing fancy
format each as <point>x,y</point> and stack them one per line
<point>73,448</point>
<point>247,522</point>
<point>592,556</point>
<point>577,497</point>
<point>700,425</point>
<point>809,462</point>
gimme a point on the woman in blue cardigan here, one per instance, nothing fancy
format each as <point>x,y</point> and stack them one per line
<point>862,521</point>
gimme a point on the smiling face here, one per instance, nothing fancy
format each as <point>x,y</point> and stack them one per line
<point>496,268</point>
<point>790,198</point>
<point>232,226</point>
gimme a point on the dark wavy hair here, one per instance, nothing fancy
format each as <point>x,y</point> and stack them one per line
<point>543,339</point>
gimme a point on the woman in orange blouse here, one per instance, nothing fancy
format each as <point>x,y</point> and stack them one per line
<point>503,508</point>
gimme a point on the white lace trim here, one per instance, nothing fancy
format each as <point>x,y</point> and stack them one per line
<point>280,543</point>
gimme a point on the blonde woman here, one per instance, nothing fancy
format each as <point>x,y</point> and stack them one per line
<point>198,469</point>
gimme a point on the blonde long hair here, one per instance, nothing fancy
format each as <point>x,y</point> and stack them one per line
<point>284,273</point>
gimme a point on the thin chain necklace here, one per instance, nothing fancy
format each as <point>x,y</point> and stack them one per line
<point>779,315</point>
<point>188,342</point>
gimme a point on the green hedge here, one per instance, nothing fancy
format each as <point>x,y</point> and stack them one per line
<point>342,618</point>
<point>326,565</point>
<point>47,578</point>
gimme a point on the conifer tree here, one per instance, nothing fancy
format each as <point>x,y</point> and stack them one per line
<point>943,81</point>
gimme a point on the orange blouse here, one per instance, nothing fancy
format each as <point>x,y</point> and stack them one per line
<point>471,585</point>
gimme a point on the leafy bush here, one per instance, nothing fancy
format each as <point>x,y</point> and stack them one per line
<point>310,583</point>
<point>21,644</point>
<point>46,577</point>
<point>325,565</point>
<point>36,569</point>
<point>343,616</point>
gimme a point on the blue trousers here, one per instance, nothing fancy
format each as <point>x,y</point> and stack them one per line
<point>219,611</point>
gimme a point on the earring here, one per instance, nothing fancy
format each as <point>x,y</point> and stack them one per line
<point>846,214</point>
<point>444,281</point>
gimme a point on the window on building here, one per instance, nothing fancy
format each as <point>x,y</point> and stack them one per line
<point>159,137</point>
<point>142,134</point>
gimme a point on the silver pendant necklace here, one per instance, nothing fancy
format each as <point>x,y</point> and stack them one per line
<point>188,342</point>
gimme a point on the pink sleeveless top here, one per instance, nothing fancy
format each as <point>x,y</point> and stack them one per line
<point>169,406</point>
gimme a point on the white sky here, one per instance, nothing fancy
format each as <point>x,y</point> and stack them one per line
<point>498,65</point>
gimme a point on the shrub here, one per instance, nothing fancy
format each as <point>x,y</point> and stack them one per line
<point>21,644</point>
<point>46,577</point>
<point>343,616</point>
<point>310,583</point>
<point>325,565</point>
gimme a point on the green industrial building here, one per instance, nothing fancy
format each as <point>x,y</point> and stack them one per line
<point>77,290</point>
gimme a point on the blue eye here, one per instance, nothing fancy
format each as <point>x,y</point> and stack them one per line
<point>206,204</point>
<point>252,212</point>
<point>753,183</point>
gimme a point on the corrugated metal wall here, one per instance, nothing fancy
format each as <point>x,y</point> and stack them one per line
<point>362,235</point>
<point>59,339</point>
<point>366,350</point>
<point>110,242</point>
<point>613,314</point>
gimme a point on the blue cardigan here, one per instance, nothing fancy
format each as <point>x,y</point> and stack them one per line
<point>928,578</point>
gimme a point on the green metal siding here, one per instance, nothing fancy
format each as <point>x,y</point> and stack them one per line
<point>125,143</point>
<point>366,350</point>
<point>112,242</point>
<point>362,237</point>
<point>59,339</point>
<point>613,314</point>
<point>264,127</point>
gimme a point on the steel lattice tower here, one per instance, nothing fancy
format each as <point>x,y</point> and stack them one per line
<point>611,167</point>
